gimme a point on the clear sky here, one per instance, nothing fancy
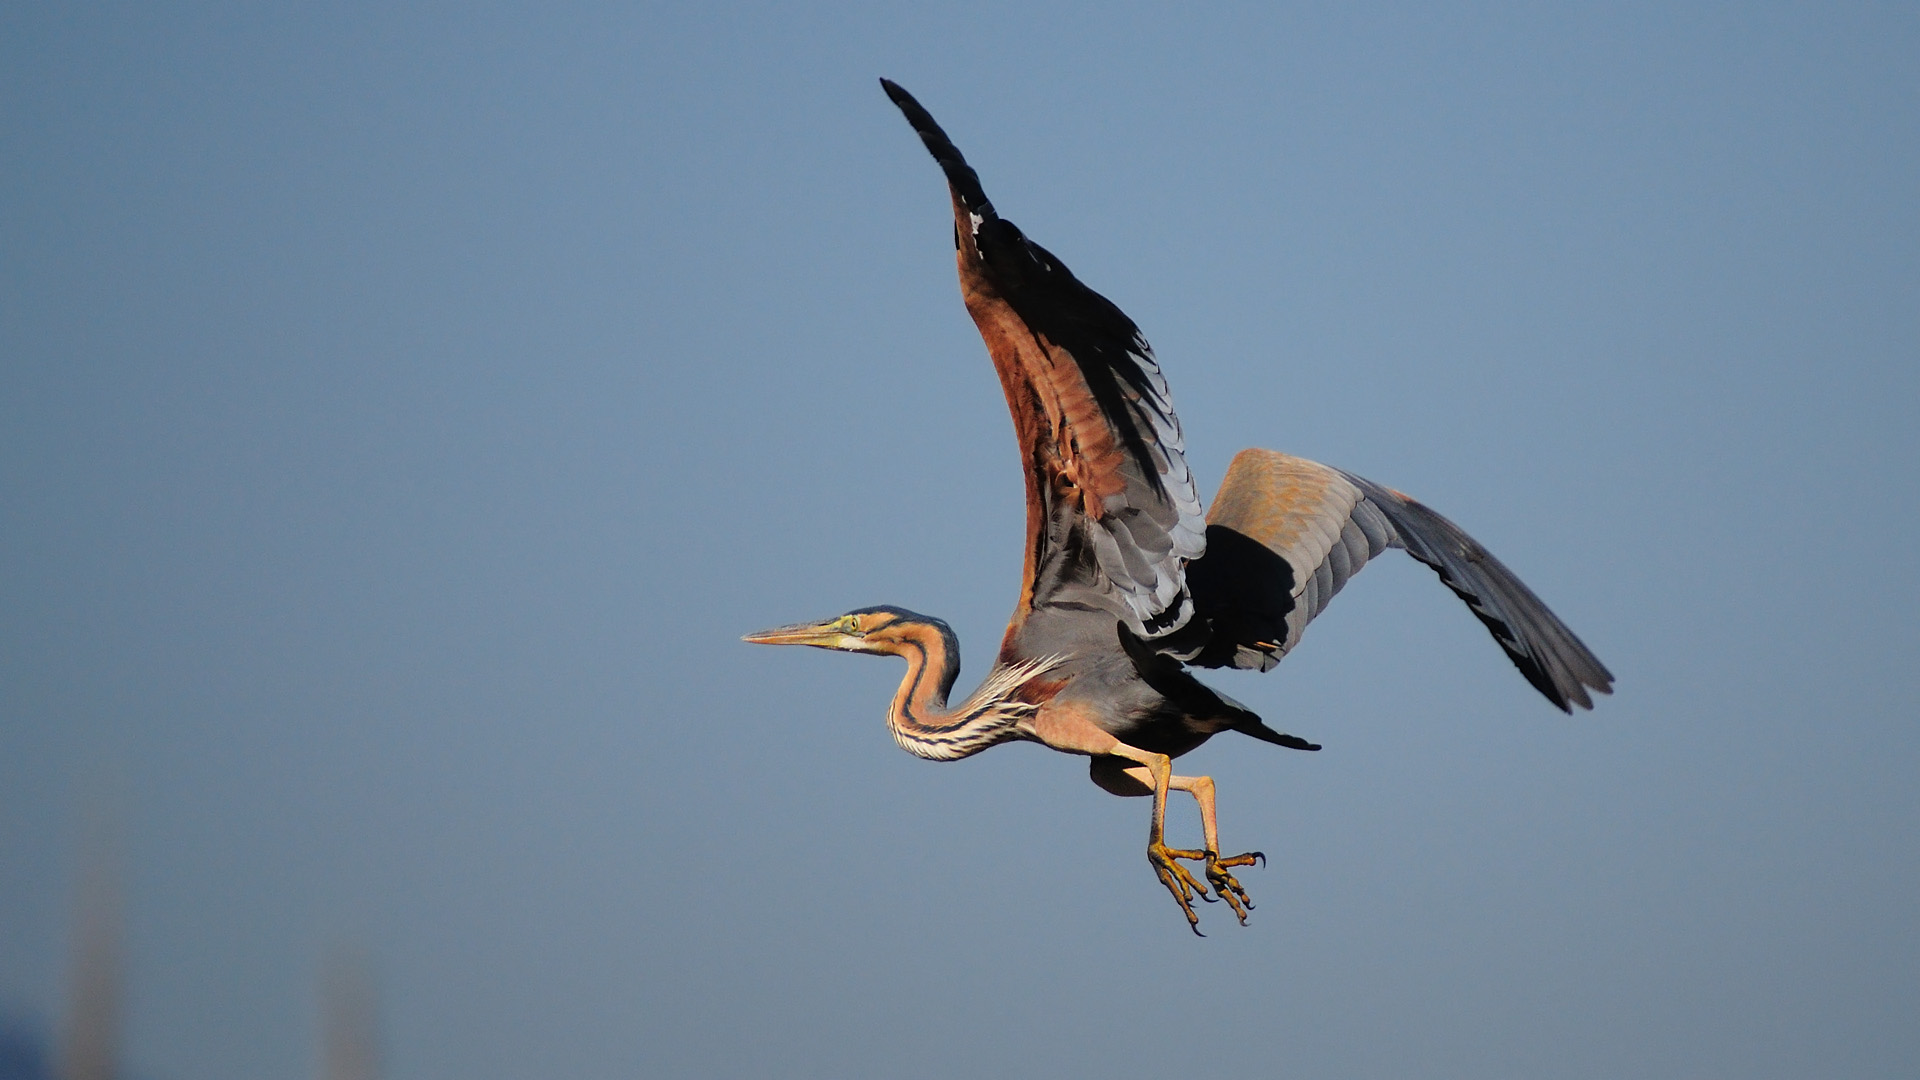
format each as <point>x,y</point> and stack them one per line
<point>404,410</point>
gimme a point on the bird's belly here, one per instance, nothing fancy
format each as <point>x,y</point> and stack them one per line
<point>1155,713</point>
<point>1147,720</point>
<point>1171,735</point>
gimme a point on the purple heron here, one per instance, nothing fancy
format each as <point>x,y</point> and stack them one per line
<point>1126,585</point>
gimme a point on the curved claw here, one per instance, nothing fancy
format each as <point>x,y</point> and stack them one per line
<point>1178,881</point>
<point>1225,883</point>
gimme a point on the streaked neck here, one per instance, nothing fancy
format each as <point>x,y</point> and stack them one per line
<point>919,718</point>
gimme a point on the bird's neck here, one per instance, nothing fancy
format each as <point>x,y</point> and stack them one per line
<point>932,654</point>
<point>919,718</point>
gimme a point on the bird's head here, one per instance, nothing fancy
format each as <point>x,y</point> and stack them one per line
<point>885,630</point>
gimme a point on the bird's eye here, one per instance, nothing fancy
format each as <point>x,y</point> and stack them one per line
<point>848,624</point>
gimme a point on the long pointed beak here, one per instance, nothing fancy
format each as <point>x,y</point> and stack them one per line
<point>821,635</point>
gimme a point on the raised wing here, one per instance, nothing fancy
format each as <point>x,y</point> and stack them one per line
<point>1285,534</point>
<point>1112,513</point>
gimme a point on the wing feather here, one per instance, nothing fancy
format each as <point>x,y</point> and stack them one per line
<point>1113,515</point>
<point>1551,657</point>
<point>1285,534</point>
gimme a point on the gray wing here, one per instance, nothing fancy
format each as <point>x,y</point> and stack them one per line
<point>1285,534</point>
<point>1112,512</point>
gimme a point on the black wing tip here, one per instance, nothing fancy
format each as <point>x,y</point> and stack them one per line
<point>1585,699</point>
<point>1567,688</point>
<point>964,181</point>
<point>1570,693</point>
<point>922,122</point>
<point>1552,658</point>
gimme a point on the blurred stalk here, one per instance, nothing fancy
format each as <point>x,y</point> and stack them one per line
<point>90,1031</point>
<point>349,1044</point>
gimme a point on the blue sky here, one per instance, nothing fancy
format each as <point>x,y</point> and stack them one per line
<point>405,409</point>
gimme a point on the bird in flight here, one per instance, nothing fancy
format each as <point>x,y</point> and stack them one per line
<point>1126,585</point>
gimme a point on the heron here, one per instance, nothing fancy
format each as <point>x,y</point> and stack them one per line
<point>1126,585</point>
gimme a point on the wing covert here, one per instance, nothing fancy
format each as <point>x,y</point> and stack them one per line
<point>1283,537</point>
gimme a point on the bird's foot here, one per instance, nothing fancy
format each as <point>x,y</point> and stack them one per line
<point>1178,880</point>
<point>1224,884</point>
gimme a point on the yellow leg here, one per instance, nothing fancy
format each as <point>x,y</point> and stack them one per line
<point>1224,884</point>
<point>1162,858</point>
<point>1121,779</point>
<point>1069,729</point>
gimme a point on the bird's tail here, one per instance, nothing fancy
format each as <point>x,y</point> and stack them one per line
<point>960,176</point>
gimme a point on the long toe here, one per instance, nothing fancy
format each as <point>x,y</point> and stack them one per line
<point>1227,885</point>
<point>1178,880</point>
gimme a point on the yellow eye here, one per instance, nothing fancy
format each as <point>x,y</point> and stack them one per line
<point>847,624</point>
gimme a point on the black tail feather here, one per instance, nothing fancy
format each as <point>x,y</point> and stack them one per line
<point>1255,727</point>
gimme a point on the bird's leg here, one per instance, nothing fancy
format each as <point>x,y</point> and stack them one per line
<point>1068,728</point>
<point>1201,788</point>
<point>1162,858</point>
<point>1121,779</point>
